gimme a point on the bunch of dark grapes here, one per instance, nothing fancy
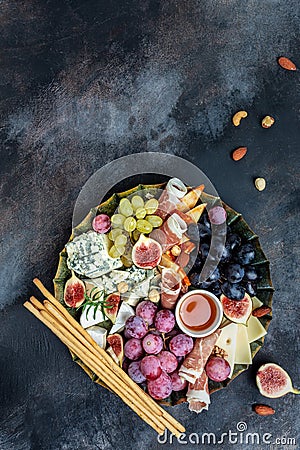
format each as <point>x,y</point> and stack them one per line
<point>235,274</point>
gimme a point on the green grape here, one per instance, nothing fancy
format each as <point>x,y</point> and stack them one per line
<point>155,221</point>
<point>151,205</point>
<point>117,220</point>
<point>114,233</point>
<point>120,240</point>
<point>125,207</point>
<point>127,262</point>
<point>136,234</point>
<point>137,202</point>
<point>113,252</point>
<point>130,224</point>
<point>144,226</point>
<point>120,249</point>
<point>140,213</point>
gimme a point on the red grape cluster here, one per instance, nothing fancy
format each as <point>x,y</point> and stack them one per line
<point>151,362</point>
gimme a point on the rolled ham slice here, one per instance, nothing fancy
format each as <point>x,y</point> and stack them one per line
<point>198,394</point>
<point>194,363</point>
<point>170,288</point>
<point>174,191</point>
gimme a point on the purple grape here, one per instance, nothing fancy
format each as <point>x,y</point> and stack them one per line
<point>164,321</point>
<point>246,254</point>
<point>251,288</point>
<point>134,371</point>
<point>181,345</point>
<point>133,349</point>
<point>233,241</point>
<point>152,344</point>
<point>217,368</point>
<point>234,273</point>
<point>251,273</point>
<point>136,327</point>
<point>178,383</point>
<point>150,367</point>
<point>126,335</point>
<point>161,387</point>
<point>146,310</point>
<point>233,291</point>
<point>217,215</point>
<point>168,361</point>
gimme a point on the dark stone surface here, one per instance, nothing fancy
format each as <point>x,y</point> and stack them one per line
<point>83,82</point>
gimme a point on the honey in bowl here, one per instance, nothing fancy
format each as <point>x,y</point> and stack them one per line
<point>199,313</point>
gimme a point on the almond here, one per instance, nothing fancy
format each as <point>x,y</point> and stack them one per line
<point>261,311</point>
<point>263,410</point>
<point>286,63</point>
<point>239,153</point>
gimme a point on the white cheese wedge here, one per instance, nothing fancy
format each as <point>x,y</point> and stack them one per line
<point>98,334</point>
<point>227,341</point>
<point>243,351</point>
<point>124,313</point>
<point>90,317</point>
<point>256,303</point>
<point>255,329</point>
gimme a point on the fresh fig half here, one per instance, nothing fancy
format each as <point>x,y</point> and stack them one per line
<point>146,253</point>
<point>273,381</point>
<point>111,306</point>
<point>74,292</point>
<point>237,311</point>
<point>116,343</point>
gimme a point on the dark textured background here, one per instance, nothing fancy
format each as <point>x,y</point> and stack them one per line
<point>83,82</point>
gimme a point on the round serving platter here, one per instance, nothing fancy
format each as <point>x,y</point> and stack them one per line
<point>237,225</point>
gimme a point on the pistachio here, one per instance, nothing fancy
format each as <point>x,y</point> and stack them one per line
<point>260,184</point>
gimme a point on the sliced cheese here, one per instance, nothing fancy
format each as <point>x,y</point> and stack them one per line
<point>124,313</point>
<point>256,303</point>
<point>243,351</point>
<point>255,329</point>
<point>227,341</point>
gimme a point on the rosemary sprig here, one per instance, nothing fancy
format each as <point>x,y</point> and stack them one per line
<point>95,299</point>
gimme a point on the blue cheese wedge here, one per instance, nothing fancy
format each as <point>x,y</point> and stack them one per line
<point>108,282</point>
<point>88,255</point>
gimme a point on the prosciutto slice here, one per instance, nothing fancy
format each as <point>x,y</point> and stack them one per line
<point>193,365</point>
<point>198,394</point>
<point>173,192</point>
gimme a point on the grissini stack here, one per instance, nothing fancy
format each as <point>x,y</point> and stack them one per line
<point>69,331</point>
